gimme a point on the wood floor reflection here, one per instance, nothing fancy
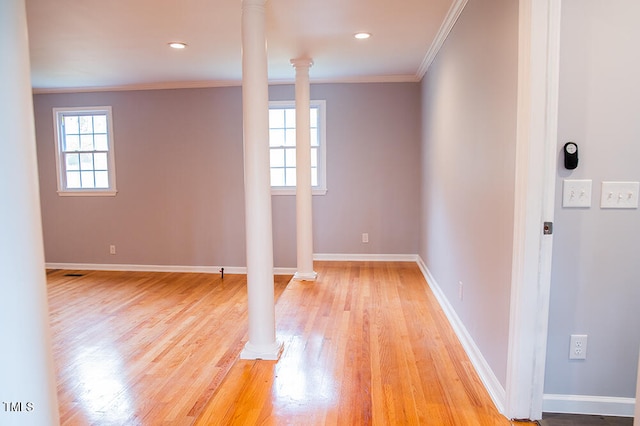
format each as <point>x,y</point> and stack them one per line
<point>365,344</point>
<point>139,348</point>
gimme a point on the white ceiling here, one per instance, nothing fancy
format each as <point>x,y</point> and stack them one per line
<point>82,44</point>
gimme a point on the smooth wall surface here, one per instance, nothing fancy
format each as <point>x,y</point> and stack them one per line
<point>595,288</point>
<point>468,139</point>
<point>180,184</point>
<point>373,170</point>
<point>179,179</point>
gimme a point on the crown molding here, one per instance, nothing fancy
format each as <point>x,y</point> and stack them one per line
<point>447,25</point>
<point>142,86</point>
<point>219,83</point>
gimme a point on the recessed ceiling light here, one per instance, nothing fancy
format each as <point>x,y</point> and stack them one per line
<point>177,45</point>
<point>362,36</point>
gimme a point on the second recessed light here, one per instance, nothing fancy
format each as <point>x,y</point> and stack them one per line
<point>177,45</point>
<point>362,35</point>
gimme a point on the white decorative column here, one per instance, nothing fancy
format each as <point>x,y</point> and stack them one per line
<point>259,238</point>
<point>304,216</point>
<point>27,375</point>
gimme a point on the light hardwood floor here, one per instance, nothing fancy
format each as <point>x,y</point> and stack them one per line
<point>365,344</point>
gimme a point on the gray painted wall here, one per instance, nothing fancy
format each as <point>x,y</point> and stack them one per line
<point>595,275</point>
<point>180,180</point>
<point>468,162</point>
<point>373,181</point>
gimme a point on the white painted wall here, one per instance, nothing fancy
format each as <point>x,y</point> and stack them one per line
<point>27,374</point>
<point>595,288</point>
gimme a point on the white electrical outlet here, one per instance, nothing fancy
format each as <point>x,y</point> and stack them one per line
<point>578,346</point>
<point>112,249</point>
<point>365,237</point>
<point>460,290</point>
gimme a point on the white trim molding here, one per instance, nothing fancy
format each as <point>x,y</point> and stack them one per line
<point>447,25</point>
<point>365,257</point>
<point>536,137</point>
<point>207,84</point>
<point>486,374</point>
<point>589,404</point>
<point>345,257</point>
<point>61,139</point>
<point>637,400</point>
<point>242,270</point>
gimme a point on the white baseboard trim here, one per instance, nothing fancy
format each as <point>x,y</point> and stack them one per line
<point>486,374</point>
<point>228,269</point>
<point>365,257</point>
<point>160,268</point>
<point>588,404</point>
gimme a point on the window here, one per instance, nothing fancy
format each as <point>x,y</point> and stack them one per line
<point>282,145</point>
<point>84,151</point>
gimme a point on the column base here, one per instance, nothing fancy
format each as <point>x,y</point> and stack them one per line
<point>305,276</point>
<point>266,352</point>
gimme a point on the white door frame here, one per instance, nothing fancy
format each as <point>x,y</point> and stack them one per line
<point>536,158</point>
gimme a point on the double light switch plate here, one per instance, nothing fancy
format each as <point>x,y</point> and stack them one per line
<point>615,195</point>
<point>576,193</point>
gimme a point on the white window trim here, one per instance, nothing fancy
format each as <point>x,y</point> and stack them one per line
<point>321,188</point>
<point>91,192</point>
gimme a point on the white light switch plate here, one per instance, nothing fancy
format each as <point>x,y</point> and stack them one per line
<point>576,193</point>
<point>619,195</point>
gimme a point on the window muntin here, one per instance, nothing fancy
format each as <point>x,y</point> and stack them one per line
<point>84,151</point>
<point>282,146</point>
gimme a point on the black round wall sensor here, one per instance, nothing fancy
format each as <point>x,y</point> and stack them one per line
<point>570,155</point>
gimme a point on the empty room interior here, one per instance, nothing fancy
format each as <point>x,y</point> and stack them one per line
<point>465,252</point>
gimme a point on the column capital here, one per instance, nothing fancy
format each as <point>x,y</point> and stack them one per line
<point>302,62</point>
<point>256,5</point>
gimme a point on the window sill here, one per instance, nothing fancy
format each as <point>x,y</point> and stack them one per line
<point>88,193</point>
<point>292,191</point>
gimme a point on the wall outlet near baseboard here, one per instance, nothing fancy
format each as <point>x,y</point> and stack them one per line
<point>112,249</point>
<point>578,346</point>
<point>365,237</point>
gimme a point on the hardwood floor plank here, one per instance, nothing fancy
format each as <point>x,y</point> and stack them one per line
<point>144,348</point>
<point>366,344</point>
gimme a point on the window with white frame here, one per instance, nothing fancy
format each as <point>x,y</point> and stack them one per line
<point>282,146</point>
<point>85,151</point>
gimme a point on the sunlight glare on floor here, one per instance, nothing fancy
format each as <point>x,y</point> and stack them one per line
<point>101,391</point>
<point>297,385</point>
